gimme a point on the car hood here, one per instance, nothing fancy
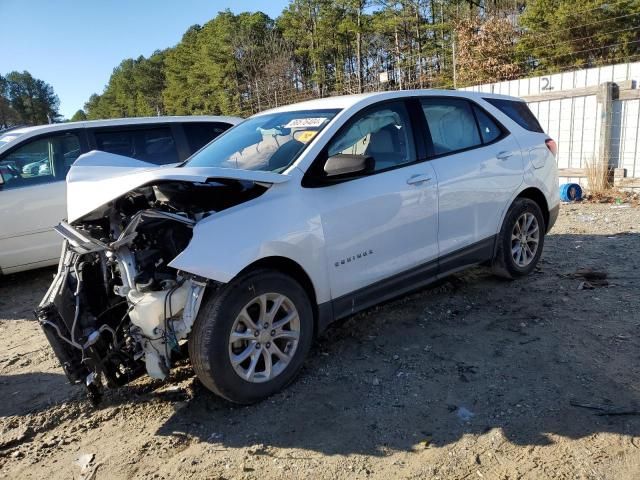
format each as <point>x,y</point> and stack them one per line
<point>98,177</point>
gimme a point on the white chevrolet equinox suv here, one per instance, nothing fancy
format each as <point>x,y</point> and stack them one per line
<point>292,219</point>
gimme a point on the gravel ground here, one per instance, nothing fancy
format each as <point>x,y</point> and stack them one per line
<point>473,378</point>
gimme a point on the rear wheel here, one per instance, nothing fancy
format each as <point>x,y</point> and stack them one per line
<point>251,337</point>
<point>520,241</point>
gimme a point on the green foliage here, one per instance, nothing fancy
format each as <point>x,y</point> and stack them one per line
<point>26,100</point>
<point>79,116</point>
<point>240,64</point>
<point>561,34</point>
<point>8,116</point>
<point>180,81</point>
<point>134,90</point>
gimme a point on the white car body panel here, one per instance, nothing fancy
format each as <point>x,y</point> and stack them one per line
<point>378,226</point>
<point>28,240</point>
<point>541,170</point>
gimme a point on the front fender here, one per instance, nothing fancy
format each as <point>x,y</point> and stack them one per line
<point>274,224</point>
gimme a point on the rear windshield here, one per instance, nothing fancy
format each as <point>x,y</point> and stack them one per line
<point>518,112</point>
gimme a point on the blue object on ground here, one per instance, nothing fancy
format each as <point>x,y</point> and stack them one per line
<point>570,192</point>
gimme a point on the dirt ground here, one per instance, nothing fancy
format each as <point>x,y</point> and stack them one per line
<point>474,378</point>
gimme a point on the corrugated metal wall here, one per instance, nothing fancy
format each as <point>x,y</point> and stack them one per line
<point>574,122</point>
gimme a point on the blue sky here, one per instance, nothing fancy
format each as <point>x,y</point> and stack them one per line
<point>75,44</point>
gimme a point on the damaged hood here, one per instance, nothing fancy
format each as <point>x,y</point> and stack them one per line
<point>98,177</point>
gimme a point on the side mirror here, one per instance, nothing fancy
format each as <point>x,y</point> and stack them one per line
<point>346,164</point>
<point>1,179</point>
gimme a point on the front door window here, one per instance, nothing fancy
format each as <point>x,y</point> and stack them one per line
<point>39,161</point>
<point>383,132</point>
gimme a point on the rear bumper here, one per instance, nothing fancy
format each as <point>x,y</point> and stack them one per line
<point>553,216</point>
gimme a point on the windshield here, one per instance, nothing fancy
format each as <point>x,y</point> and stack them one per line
<point>268,142</point>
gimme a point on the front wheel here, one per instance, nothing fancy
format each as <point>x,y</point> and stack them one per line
<point>251,337</point>
<point>520,241</point>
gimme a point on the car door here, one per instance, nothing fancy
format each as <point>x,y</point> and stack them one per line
<point>478,165</point>
<point>383,224</point>
<point>34,201</point>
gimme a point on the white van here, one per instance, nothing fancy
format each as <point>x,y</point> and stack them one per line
<point>34,162</point>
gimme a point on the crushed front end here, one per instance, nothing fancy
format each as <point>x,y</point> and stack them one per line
<point>116,308</point>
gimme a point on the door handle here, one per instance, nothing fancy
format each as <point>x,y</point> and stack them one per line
<point>418,178</point>
<point>504,155</point>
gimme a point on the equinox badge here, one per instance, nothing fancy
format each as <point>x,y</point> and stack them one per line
<point>353,258</point>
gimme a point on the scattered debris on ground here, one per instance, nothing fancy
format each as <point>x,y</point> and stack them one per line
<point>614,196</point>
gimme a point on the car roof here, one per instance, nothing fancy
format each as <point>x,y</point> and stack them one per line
<point>55,127</point>
<point>346,101</point>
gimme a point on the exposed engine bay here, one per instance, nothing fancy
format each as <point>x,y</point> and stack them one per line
<point>115,308</point>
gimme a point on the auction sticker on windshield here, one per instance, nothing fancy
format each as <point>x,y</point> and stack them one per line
<point>305,136</point>
<point>306,122</point>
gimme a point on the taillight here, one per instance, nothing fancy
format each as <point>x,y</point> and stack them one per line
<point>552,146</point>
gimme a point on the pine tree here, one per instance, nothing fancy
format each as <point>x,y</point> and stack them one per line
<point>79,116</point>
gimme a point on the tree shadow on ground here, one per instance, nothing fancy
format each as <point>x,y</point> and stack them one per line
<point>474,354</point>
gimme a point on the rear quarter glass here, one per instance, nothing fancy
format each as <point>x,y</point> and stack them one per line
<point>517,111</point>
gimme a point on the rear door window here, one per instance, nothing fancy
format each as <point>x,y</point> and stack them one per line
<point>153,145</point>
<point>518,112</point>
<point>451,124</point>
<point>200,133</point>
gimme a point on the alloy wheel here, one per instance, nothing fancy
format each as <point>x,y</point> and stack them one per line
<point>264,337</point>
<point>525,238</point>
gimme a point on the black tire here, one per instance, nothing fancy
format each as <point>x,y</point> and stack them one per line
<point>209,338</point>
<point>503,263</point>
